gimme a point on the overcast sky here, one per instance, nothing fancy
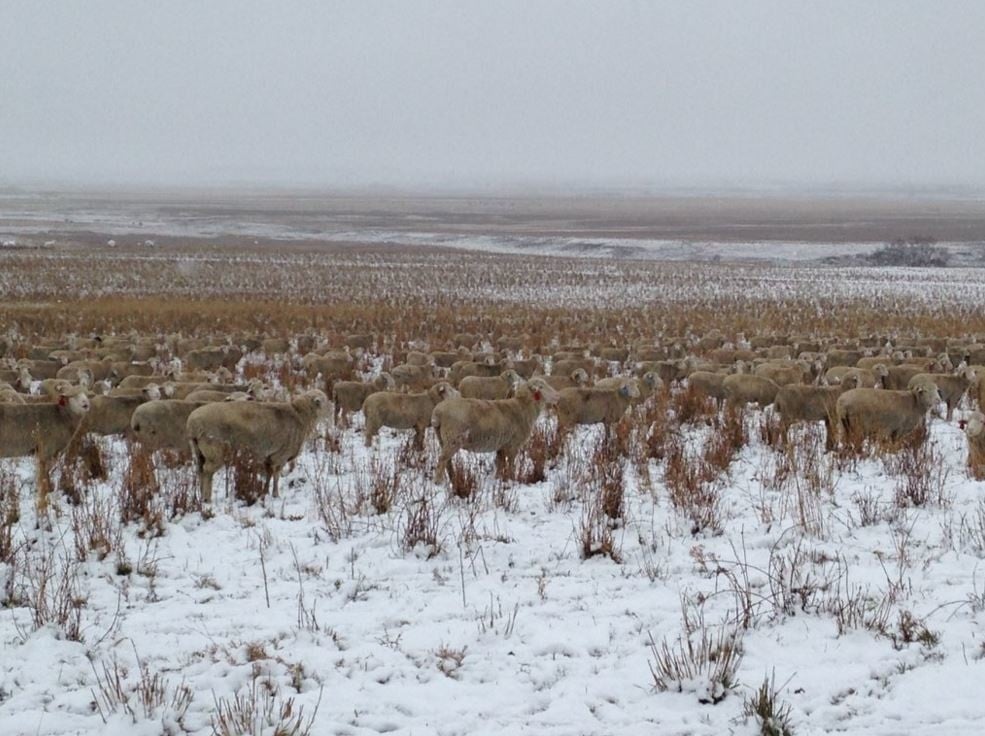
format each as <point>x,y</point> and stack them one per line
<point>493,93</point>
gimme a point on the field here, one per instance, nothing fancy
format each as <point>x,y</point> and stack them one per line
<point>688,574</point>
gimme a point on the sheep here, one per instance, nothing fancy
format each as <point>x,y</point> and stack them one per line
<point>270,433</point>
<point>98,370</point>
<point>465,339</point>
<point>333,366</point>
<point>53,387</point>
<point>526,368</point>
<point>692,365</point>
<point>275,345</point>
<point>931,365</point>
<point>779,352</point>
<point>150,392</point>
<point>349,395</point>
<point>174,390</point>
<point>744,388</point>
<point>839,356</point>
<point>447,358</point>
<point>648,384</point>
<point>670,371</point>
<point>477,425</point>
<point>577,378</point>
<point>213,358</point>
<point>408,377</point>
<point>800,403</point>
<point>862,378</point>
<point>208,396</point>
<point>416,357</point>
<point>650,354</point>
<point>41,369</point>
<point>783,374</point>
<point>488,368</point>
<point>19,379</point>
<point>889,414</point>
<point>9,395</point>
<point>43,430</point>
<point>897,377</point>
<point>122,369</point>
<point>508,342</point>
<point>870,362</point>
<point>360,341</point>
<point>138,382</point>
<point>975,432</point>
<point>952,387</point>
<point>498,387</point>
<point>160,425</point>
<point>614,355</point>
<point>403,411</point>
<point>707,383</point>
<point>565,367</point>
<point>9,375</point>
<point>111,415</point>
<point>596,405</point>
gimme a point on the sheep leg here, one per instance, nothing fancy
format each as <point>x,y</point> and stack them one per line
<point>419,436</point>
<point>44,486</point>
<point>504,463</point>
<point>443,469</point>
<point>205,470</point>
<point>370,432</point>
<point>501,464</point>
<point>829,434</point>
<point>273,478</point>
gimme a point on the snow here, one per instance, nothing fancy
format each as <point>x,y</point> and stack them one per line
<point>506,629</point>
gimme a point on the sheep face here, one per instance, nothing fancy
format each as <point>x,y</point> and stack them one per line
<point>319,401</point>
<point>76,403</point>
<point>152,392</point>
<point>539,390</point>
<point>927,395</point>
<point>512,378</point>
<point>441,391</point>
<point>975,425</point>
<point>630,389</point>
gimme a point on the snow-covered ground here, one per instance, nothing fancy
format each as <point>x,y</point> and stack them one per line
<point>867,612</point>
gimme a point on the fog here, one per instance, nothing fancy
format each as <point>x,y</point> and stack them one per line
<point>487,94</point>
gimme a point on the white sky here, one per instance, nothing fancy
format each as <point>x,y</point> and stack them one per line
<point>421,93</point>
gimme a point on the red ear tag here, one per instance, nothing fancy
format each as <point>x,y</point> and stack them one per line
<point>536,395</point>
<point>62,401</point>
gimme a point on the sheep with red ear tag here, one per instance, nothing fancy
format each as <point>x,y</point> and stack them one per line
<point>501,426</point>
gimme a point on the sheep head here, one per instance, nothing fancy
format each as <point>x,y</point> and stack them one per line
<point>927,394</point>
<point>443,390</point>
<point>539,390</point>
<point>975,424</point>
<point>76,402</point>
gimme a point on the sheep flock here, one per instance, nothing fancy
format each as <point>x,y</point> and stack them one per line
<point>642,497</point>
